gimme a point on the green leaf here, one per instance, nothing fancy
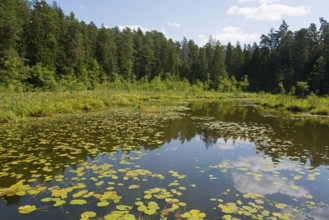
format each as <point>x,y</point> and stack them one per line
<point>281,205</point>
<point>103,204</point>
<point>123,208</point>
<point>133,187</point>
<point>59,203</point>
<point>27,209</point>
<point>87,215</point>
<point>78,202</point>
<point>80,193</point>
<point>46,199</point>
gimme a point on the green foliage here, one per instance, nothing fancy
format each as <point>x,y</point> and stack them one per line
<point>227,84</point>
<point>230,84</point>
<point>302,89</point>
<point>13,20</point>
<point>15,106</point>
<point>42,36</point>
<point>42,77</point>
<point>311,104</point>
<point>318,76</point>
<point>244,83</point>
<point>282,90</point>
<point>41,48</point>
<point>14,74</point>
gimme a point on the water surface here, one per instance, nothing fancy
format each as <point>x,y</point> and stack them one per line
<point>200,160</point>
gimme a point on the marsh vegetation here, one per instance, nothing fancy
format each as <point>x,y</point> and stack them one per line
<point>184,160</point>
<point>112,123</point>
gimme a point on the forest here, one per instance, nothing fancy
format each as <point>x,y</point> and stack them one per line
<point>42,49</point>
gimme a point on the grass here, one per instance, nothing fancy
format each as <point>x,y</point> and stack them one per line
<point>312,104</point>
<point>17,106</point>
<point>20,106</point>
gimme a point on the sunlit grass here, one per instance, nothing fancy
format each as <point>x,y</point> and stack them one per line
<point>311,104</point>
<point>16,106</point>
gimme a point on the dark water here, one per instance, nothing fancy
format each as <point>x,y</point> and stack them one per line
<point>190,161</point>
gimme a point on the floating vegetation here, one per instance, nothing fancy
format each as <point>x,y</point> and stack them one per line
<point>193,214</point>
<point>87,215</point>
<point>27,209</point>
<point>130,164</point>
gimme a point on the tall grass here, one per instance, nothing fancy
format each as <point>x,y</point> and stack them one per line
<point>16,106</point>
<point>311,104</point>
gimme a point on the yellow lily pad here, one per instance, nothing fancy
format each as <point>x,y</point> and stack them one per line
<point>26,209</point>
<point>78,202</point>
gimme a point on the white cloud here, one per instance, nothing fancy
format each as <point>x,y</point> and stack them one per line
<point>174,24</point>
<point>264,164</point>
<point>173,148</point>
<point>245,1</point>
<point>320,213</point>
<point>225,145</point>
<point>163,30</point>
<point>245,183</point>
<point>268,11</point>
<point>134,27</point>
<point>82,7</point>
<point>203,39</point>
<point>231,34</point>
<point>268,1</point>
<point>230,144</point>
<point>260,1</point>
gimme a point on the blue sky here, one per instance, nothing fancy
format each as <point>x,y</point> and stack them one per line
<point>224,20</point>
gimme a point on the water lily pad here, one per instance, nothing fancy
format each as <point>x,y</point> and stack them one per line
<point>308,196</point>
<point>59,203</point>
<point>78,202</point>
<point>194,211</point>
<point>46,199</point>
<point>79,194</point>
<point>123,208</point>
<point>87,215</point>
<point>133,187</point>
<point>27,209</point>
<point>103,204</point>
<point>281,205</point>
<point>120,215</point>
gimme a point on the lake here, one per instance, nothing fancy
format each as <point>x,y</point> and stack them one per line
<point>189,160</point>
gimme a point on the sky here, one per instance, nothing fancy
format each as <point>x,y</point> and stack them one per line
<point>225,20</point>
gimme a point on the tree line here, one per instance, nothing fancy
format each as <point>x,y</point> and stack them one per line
<point>42,48</point>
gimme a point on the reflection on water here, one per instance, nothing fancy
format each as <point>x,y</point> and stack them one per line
<point>218,146</point>
<point>244,184</point>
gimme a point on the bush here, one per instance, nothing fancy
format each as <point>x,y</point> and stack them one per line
<point>42,77</point>
<point>14,74</point>
<point>302,89</point>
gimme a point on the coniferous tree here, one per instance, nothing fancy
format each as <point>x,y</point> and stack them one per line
<point>107,52</point>
<point>13,20</point>
<point>42,37</point>
<point>40,46</point>
<point>125,42</point>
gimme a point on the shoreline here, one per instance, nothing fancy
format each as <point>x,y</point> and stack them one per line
<point>21,106</point>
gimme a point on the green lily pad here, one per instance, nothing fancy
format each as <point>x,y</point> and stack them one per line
<point>79,194</point>
<point>103,204</point>
<point>46,199</point>
<point>26,209</point>
<point>87,215</point>
<point>78,202</point>
<point>59,203</point>
<point>133,187</point>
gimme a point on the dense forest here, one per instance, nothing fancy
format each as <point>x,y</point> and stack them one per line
<point>41,48</point>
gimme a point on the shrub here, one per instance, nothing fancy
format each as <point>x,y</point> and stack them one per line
<point>302,89</point>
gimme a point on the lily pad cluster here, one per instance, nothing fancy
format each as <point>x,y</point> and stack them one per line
<point>94,165</point>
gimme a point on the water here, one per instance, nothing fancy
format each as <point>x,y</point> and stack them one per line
<point>200,160</point>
